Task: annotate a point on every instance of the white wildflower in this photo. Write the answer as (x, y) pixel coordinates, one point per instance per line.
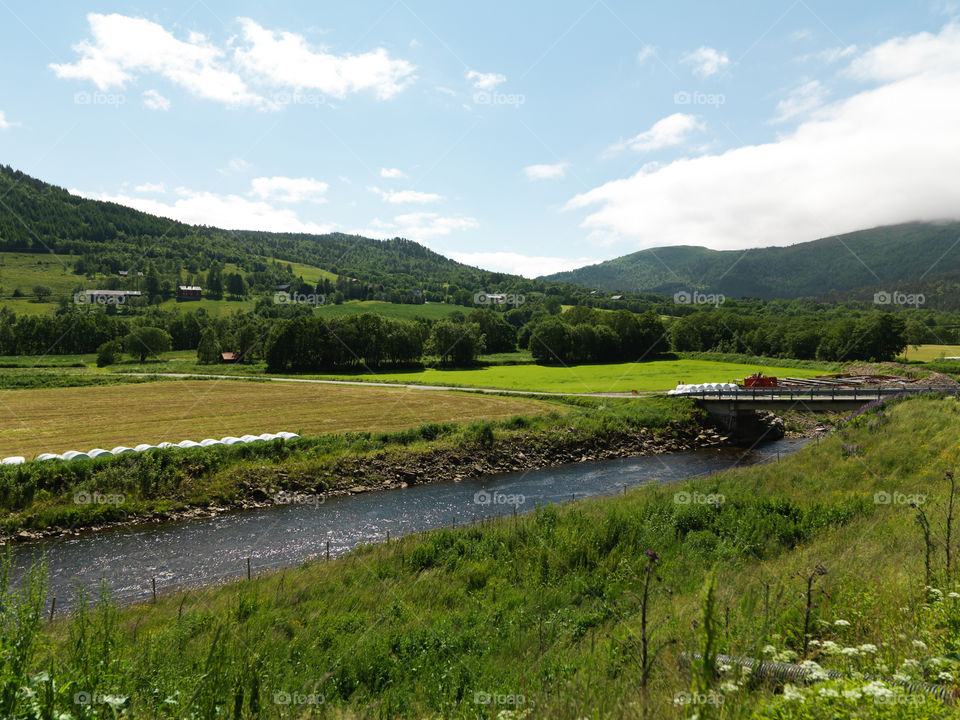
(785, 656)
(901, 678)
(867, 648)
(815, 673)
(953, 595)
(852, 694)
(841, 623)
(791, 692)
(828, 692)
(830, 647)
(877, 690)
(768, 650)
(945, 677)
(911, 664)
(729, 687)
(920, 644)
(814, 643)
(850, 652)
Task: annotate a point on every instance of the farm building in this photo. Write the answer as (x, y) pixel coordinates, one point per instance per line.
(230, 357)
(189, 292)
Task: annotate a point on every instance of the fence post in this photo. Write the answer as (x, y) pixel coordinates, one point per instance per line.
(53, 607)
(328, 549)
(153, 583)
(248, 568)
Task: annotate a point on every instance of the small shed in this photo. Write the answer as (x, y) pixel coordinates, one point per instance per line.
(230, 357)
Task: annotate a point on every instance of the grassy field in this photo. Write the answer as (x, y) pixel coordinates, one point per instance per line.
(615, 377)
(61, 419)
(926, 353)
(545, 615)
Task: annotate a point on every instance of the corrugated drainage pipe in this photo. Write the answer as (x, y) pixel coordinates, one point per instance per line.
(766, 669)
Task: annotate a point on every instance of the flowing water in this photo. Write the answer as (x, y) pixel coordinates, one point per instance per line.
(206, 550)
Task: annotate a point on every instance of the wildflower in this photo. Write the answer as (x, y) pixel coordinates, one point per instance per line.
(841, 623)
(830, 647)
(785, 656)
(850, 652)
(852, 694)
(877, 690)
(910, 664)
(814, 643)
(725, 668)
(953, 595)
(654, 556)
(791, 692)
(768, 650)
(944, 677)
(828, 692)
(934, 594)
(867, 648)
(901, 678)
(815, 673)
(729, 687)
(920, 644)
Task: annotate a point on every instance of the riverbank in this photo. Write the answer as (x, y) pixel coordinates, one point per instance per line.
(546, 614)
(60, 499)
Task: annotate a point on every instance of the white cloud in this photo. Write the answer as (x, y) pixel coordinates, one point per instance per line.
(123, 46)
(546, 172)
(671, 130)
(230, 212)
(236, 165)
(285, 58)
(832, 55)
(392, 173)
(445, 91)
(153, 100)
(397, 197)
(706, 61)
(420, 226)
(801, 101)
(4, 123)
(288, 189)
(884, 155)
(151, 188)
(645, 54)
(485, 81)
(530, 266)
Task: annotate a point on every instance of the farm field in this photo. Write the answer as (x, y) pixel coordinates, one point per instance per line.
(615, 377)
(431, 311)
(57, 420)
(926, 353)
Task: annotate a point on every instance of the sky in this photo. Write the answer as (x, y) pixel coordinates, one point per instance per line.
(522, 137)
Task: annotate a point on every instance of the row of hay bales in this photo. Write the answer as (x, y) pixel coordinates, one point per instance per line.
(704, 387)
(120, 449)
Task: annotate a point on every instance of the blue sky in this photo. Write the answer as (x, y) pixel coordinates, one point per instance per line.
(528, 139)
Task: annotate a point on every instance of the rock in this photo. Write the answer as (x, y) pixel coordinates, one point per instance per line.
(357, 489)
(259, 495)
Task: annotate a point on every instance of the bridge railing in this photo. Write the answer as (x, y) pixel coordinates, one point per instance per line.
(865, 394)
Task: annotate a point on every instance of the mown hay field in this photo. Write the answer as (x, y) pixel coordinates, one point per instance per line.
(60, 419)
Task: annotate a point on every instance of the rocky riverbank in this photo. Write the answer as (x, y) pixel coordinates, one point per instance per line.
(269, 485)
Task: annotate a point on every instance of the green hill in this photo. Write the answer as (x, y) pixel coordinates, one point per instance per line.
(37, 217)
(887, 257)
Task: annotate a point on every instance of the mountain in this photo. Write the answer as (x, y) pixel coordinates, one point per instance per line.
(889, 257)
(38, 217)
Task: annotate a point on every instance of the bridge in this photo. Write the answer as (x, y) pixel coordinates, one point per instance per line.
(735, 410)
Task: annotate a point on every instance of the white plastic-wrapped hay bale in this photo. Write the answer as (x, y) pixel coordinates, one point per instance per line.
(210, 442)
(119, 449)
(267, 437)
(165, 445)
(13, 460)
(47, 456)
(188, 444)
(251, 438)
(287, 435)
(74, 455)
(99, 452)
(230, 440)
(144, 447)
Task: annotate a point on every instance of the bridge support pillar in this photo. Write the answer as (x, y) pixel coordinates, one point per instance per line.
(744, 425)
